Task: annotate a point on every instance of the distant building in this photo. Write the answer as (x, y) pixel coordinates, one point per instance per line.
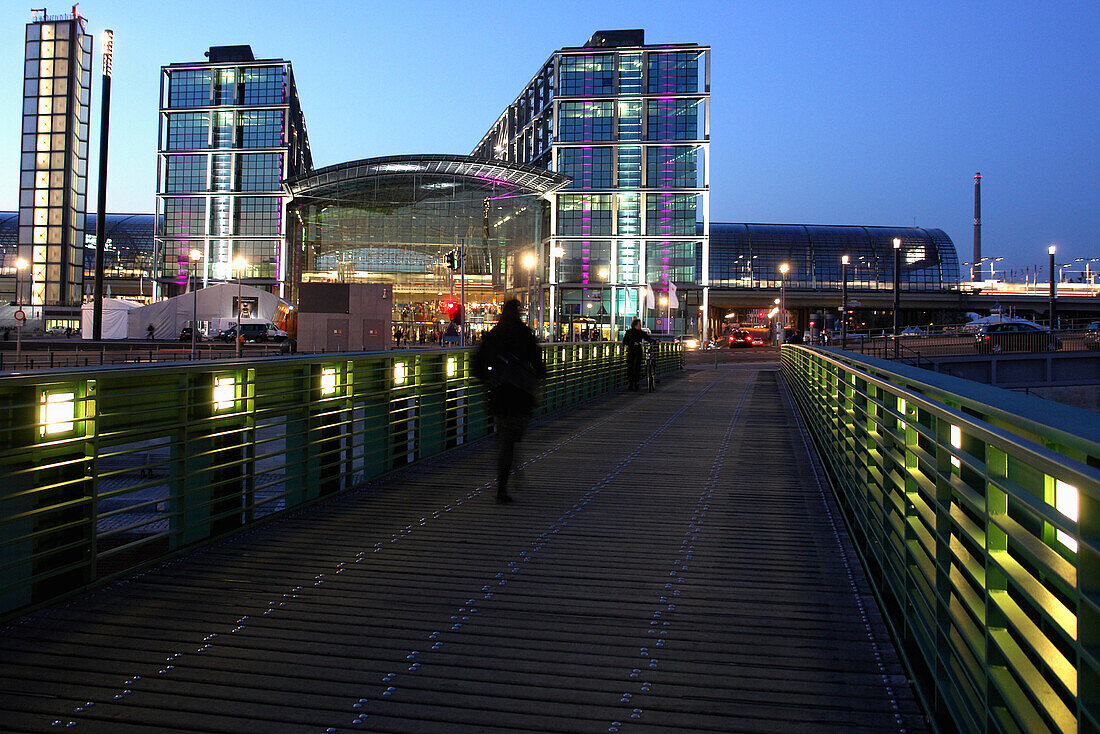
(231, 131)
(628, 122)
(128, 266)
(397, 220)
(53, 167)
(749, 256)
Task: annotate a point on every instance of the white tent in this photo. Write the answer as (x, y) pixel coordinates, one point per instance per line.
(204, 305)
(115, 323)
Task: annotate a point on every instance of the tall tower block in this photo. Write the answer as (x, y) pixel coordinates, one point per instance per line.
(53, 166)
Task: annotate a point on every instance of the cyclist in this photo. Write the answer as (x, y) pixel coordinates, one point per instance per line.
(632, 340)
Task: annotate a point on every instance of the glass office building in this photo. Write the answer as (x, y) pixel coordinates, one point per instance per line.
(231, 131)
(402, 219)
(628, 123)
(749, 256)
(53, 166)
(128, 259)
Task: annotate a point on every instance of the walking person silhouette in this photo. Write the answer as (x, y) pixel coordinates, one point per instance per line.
(509, 362)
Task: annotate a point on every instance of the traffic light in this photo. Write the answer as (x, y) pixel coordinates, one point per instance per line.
(453, 258)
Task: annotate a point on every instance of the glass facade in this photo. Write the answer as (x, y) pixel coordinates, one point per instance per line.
(630, 125)
(394, 220)
(54, 161)
(749, 256)
(129, 250)
(231, 132)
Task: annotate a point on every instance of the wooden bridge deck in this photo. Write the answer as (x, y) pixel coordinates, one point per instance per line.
(671, 563)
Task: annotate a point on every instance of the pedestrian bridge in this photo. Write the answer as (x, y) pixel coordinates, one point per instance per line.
(310, 544)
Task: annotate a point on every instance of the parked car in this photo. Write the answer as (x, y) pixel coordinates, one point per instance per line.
(249, 332)
(185, 334)
(739, 338)
(1092, 335)
(834, 337)
(1014, 337)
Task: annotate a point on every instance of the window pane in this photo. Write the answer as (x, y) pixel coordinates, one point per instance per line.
(673, 73)
(263, 86)
(260, 172)
(258, 215)
(587, 75)
(185, 173)
(670, 214)
(188, 131)
(189, 88)
(673, 119)
(585, 121)
(261, 129)
(671, 166)
(184, 216)
(584, 214)
(590, 168)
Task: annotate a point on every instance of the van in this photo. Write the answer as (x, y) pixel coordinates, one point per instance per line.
(257, 330)
(249, 333)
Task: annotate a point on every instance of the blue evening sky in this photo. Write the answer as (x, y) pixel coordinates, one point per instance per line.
(875, 113)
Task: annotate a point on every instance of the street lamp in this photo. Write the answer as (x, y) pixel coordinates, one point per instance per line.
(529, 261)
(1053, 285)
(991, 260)
(196, 256)
(844, 302)
(897, 290)
(239, 265)
(781, 327)
(1088, 272)
(556, 253)
(603, 274)
(20, 265)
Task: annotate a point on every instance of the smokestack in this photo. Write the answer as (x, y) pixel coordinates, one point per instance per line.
(976, 263)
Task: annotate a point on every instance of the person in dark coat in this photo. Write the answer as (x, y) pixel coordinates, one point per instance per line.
(632, 340)
(509, 361)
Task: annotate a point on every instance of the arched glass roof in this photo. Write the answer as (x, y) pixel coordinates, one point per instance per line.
(492, 172)
(749, 255)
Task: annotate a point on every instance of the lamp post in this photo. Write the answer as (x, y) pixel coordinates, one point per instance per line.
(20, 265)
(991, 261)
(1088, 272)
(781, 326)
(556, 253)
(101, 202)
(239, 265)
(844, 302)
(603, 273)
(774, 314)
(529, 261)
(897, 290)
(196, 256)
(1053, 285)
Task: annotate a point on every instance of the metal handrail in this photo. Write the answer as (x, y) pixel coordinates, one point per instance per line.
(106, 470)
(977, 515)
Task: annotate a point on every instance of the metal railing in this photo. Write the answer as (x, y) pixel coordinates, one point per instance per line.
(106, 470)
(916, 348)
(977, 515)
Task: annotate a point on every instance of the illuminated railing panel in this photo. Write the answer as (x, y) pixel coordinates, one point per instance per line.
(106, 470)
(976, 513)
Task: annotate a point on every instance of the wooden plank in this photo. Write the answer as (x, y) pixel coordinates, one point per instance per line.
(669, 564)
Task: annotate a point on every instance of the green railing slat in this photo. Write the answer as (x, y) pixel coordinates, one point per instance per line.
(994, 608)
(153, 461)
